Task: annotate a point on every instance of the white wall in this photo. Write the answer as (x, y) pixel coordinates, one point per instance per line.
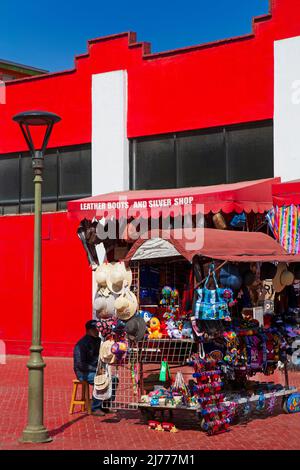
(110, 160)
(287, 109)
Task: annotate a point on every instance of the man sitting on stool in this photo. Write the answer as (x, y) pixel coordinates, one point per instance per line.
(85, 354)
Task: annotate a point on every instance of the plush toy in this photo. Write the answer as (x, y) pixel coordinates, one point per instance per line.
(173, 330)
(163, 329)
(119, 349)
(145, 315)
(154, 329)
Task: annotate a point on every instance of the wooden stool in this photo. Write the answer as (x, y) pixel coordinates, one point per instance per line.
(85, 401)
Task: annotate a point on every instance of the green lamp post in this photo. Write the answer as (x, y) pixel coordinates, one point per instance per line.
(35, 430)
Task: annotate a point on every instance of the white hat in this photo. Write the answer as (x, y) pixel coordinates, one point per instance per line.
(126, 305)
(101, 274)
(104, 306)
(283, 277)
(119, 276)
(106, 355)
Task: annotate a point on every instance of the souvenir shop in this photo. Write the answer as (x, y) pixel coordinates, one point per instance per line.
(196, 319)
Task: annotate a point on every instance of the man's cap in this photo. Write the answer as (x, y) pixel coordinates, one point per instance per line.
(91, 324)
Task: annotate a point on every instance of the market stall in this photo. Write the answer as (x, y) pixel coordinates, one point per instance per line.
(196, 318)
(205, 298)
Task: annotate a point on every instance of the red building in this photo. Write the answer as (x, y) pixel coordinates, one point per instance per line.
(214, 113)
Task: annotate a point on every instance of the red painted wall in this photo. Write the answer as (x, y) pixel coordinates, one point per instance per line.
(67, 294)
(204, 86)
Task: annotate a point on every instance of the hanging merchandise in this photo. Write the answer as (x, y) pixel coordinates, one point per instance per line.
(119, 349)
(212, 304)
(166, 295)
(179, 388)
(238, 220)
(284, 222)
(165, 373)
(216, 416)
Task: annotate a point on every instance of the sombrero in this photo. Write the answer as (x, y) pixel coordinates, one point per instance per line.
(106, 355)
(119, 276)
(101, 274)
(126, 305)
(283, 277)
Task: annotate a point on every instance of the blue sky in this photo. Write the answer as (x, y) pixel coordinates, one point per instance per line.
(48, 34)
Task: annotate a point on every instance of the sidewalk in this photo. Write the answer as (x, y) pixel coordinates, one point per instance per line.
(123, 430)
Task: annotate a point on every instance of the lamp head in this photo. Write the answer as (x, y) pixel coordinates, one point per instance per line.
(36, 118)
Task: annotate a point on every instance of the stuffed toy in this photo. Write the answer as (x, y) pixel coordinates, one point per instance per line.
(173, 330)
(145, 315)
(154, 329)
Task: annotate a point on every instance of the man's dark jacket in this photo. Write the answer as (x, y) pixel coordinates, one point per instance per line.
(85, 354)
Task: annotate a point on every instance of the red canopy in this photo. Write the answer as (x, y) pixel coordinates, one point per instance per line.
(246, 196)
(285, 194)
(218, 244)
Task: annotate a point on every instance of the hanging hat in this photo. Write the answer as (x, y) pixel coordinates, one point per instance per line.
(219, 221)
(267, 271)
(101, 382)
(283, 277)
(104, 306)
(119, 276)
(101, 274)
(230, 277)
(136, 328)
(126, 305)
(106, 354)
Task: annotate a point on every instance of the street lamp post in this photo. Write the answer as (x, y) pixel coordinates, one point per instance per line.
(35, 430)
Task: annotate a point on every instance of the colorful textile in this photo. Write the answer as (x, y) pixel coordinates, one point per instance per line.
(284, 223)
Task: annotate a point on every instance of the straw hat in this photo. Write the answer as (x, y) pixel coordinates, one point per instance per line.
(101, 382)
(126, 305)
(106, 355)
(283, 277)
(101, 274)
(119, 276)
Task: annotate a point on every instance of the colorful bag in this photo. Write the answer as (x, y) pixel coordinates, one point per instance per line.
(212, 304)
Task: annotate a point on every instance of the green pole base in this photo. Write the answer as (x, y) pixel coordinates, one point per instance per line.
(35, 434)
